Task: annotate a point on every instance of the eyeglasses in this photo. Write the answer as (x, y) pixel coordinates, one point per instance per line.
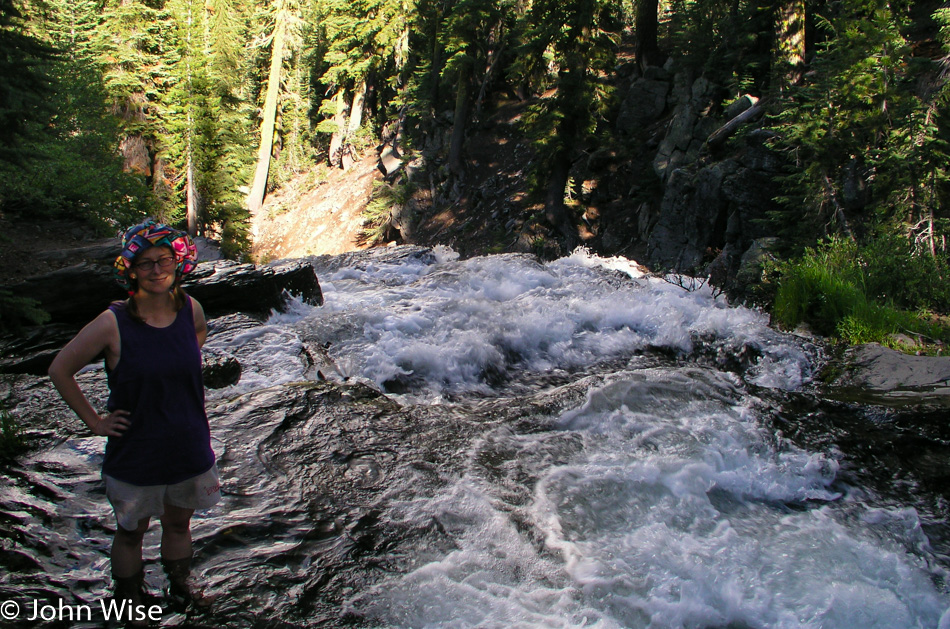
(165, 263)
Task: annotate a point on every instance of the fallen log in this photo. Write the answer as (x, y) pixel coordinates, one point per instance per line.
(723, 133)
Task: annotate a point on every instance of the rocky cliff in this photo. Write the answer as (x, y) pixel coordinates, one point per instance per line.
(684, 187)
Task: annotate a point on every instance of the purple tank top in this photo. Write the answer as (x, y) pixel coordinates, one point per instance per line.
(158, 380)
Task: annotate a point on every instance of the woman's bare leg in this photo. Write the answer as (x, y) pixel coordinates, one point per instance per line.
(176, 532)
(176, 557)
(127, 550)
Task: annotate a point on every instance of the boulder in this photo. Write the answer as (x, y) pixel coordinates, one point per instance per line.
(77, 294)
(877, 368)
(747, 280)
(693, 121)
(644, 104)
(915, 387)
(754, 259)
(103, 252)
(73, 295)
(219, 368)
(692, 220)
(225, 286)
(389, 161)
(749, 194)
(33, 349)
(756, 153)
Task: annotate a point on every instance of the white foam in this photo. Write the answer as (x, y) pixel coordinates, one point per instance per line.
(494, 577)
(680, 510)
(684, 517)
(455, 325)
(444, 253)
(269, 355)
(582, 256)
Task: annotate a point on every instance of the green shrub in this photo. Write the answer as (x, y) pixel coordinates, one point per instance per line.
(862, 294)
(894, 273)
(820, 289)
(12, 440)
(235, 234)
(385, 201)
(17, 311)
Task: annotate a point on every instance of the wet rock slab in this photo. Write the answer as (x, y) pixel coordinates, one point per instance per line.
(224, 286)
(878, 374)
(883, 369)
(307, 469)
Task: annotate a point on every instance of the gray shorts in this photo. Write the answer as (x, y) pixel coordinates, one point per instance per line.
(132, 503)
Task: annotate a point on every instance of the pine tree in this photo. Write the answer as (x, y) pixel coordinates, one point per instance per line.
(839, 130)
(285, 25)
(71, 168)
(25, 80)
(204, 135)
(133, 45)
(790, 44)
(475, 39)
(367, 47)
(647, 32)
(186, 99)
(299, 151)
(579, 40)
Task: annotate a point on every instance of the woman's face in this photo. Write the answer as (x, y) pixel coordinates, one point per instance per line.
(154, 270)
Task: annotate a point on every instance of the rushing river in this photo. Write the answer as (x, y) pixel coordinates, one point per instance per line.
(497, 442)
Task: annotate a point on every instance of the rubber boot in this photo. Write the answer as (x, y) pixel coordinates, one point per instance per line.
(131, 589)
(183, 586)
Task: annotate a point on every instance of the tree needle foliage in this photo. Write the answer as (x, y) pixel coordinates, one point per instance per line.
(12, 440)
(386, 205)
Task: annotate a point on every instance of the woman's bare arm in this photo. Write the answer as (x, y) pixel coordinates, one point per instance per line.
(101, 335)
(201, 326)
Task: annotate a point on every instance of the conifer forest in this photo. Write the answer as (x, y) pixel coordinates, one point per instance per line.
(194, 110)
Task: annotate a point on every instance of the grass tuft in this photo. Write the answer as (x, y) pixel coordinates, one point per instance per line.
(839, 291)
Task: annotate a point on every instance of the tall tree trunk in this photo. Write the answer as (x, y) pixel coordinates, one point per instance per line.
(256, 198)
(356, 109)
(462, 105)
(191, 197)
(555, 211)
(162, 186)
(336, 139)
(570, 103)
(191, 206)
(436, 54)
(789, 64)
(647, 30)
(495, 57)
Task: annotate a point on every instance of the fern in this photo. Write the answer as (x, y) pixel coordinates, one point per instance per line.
(385, 203)
(17, 311)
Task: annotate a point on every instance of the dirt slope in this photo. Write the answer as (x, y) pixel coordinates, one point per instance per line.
(302, 219)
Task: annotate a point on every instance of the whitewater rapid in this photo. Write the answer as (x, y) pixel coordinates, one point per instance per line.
(662, 497)
(436, 325)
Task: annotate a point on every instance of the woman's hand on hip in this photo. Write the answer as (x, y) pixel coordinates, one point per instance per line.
(113, 424)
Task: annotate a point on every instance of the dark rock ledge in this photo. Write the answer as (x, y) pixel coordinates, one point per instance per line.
(75, 295)
(876, 374)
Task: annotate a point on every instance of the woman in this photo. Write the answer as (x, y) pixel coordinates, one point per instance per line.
(158, 458)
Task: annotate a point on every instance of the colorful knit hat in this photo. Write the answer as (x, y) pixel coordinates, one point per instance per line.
(152, 234)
